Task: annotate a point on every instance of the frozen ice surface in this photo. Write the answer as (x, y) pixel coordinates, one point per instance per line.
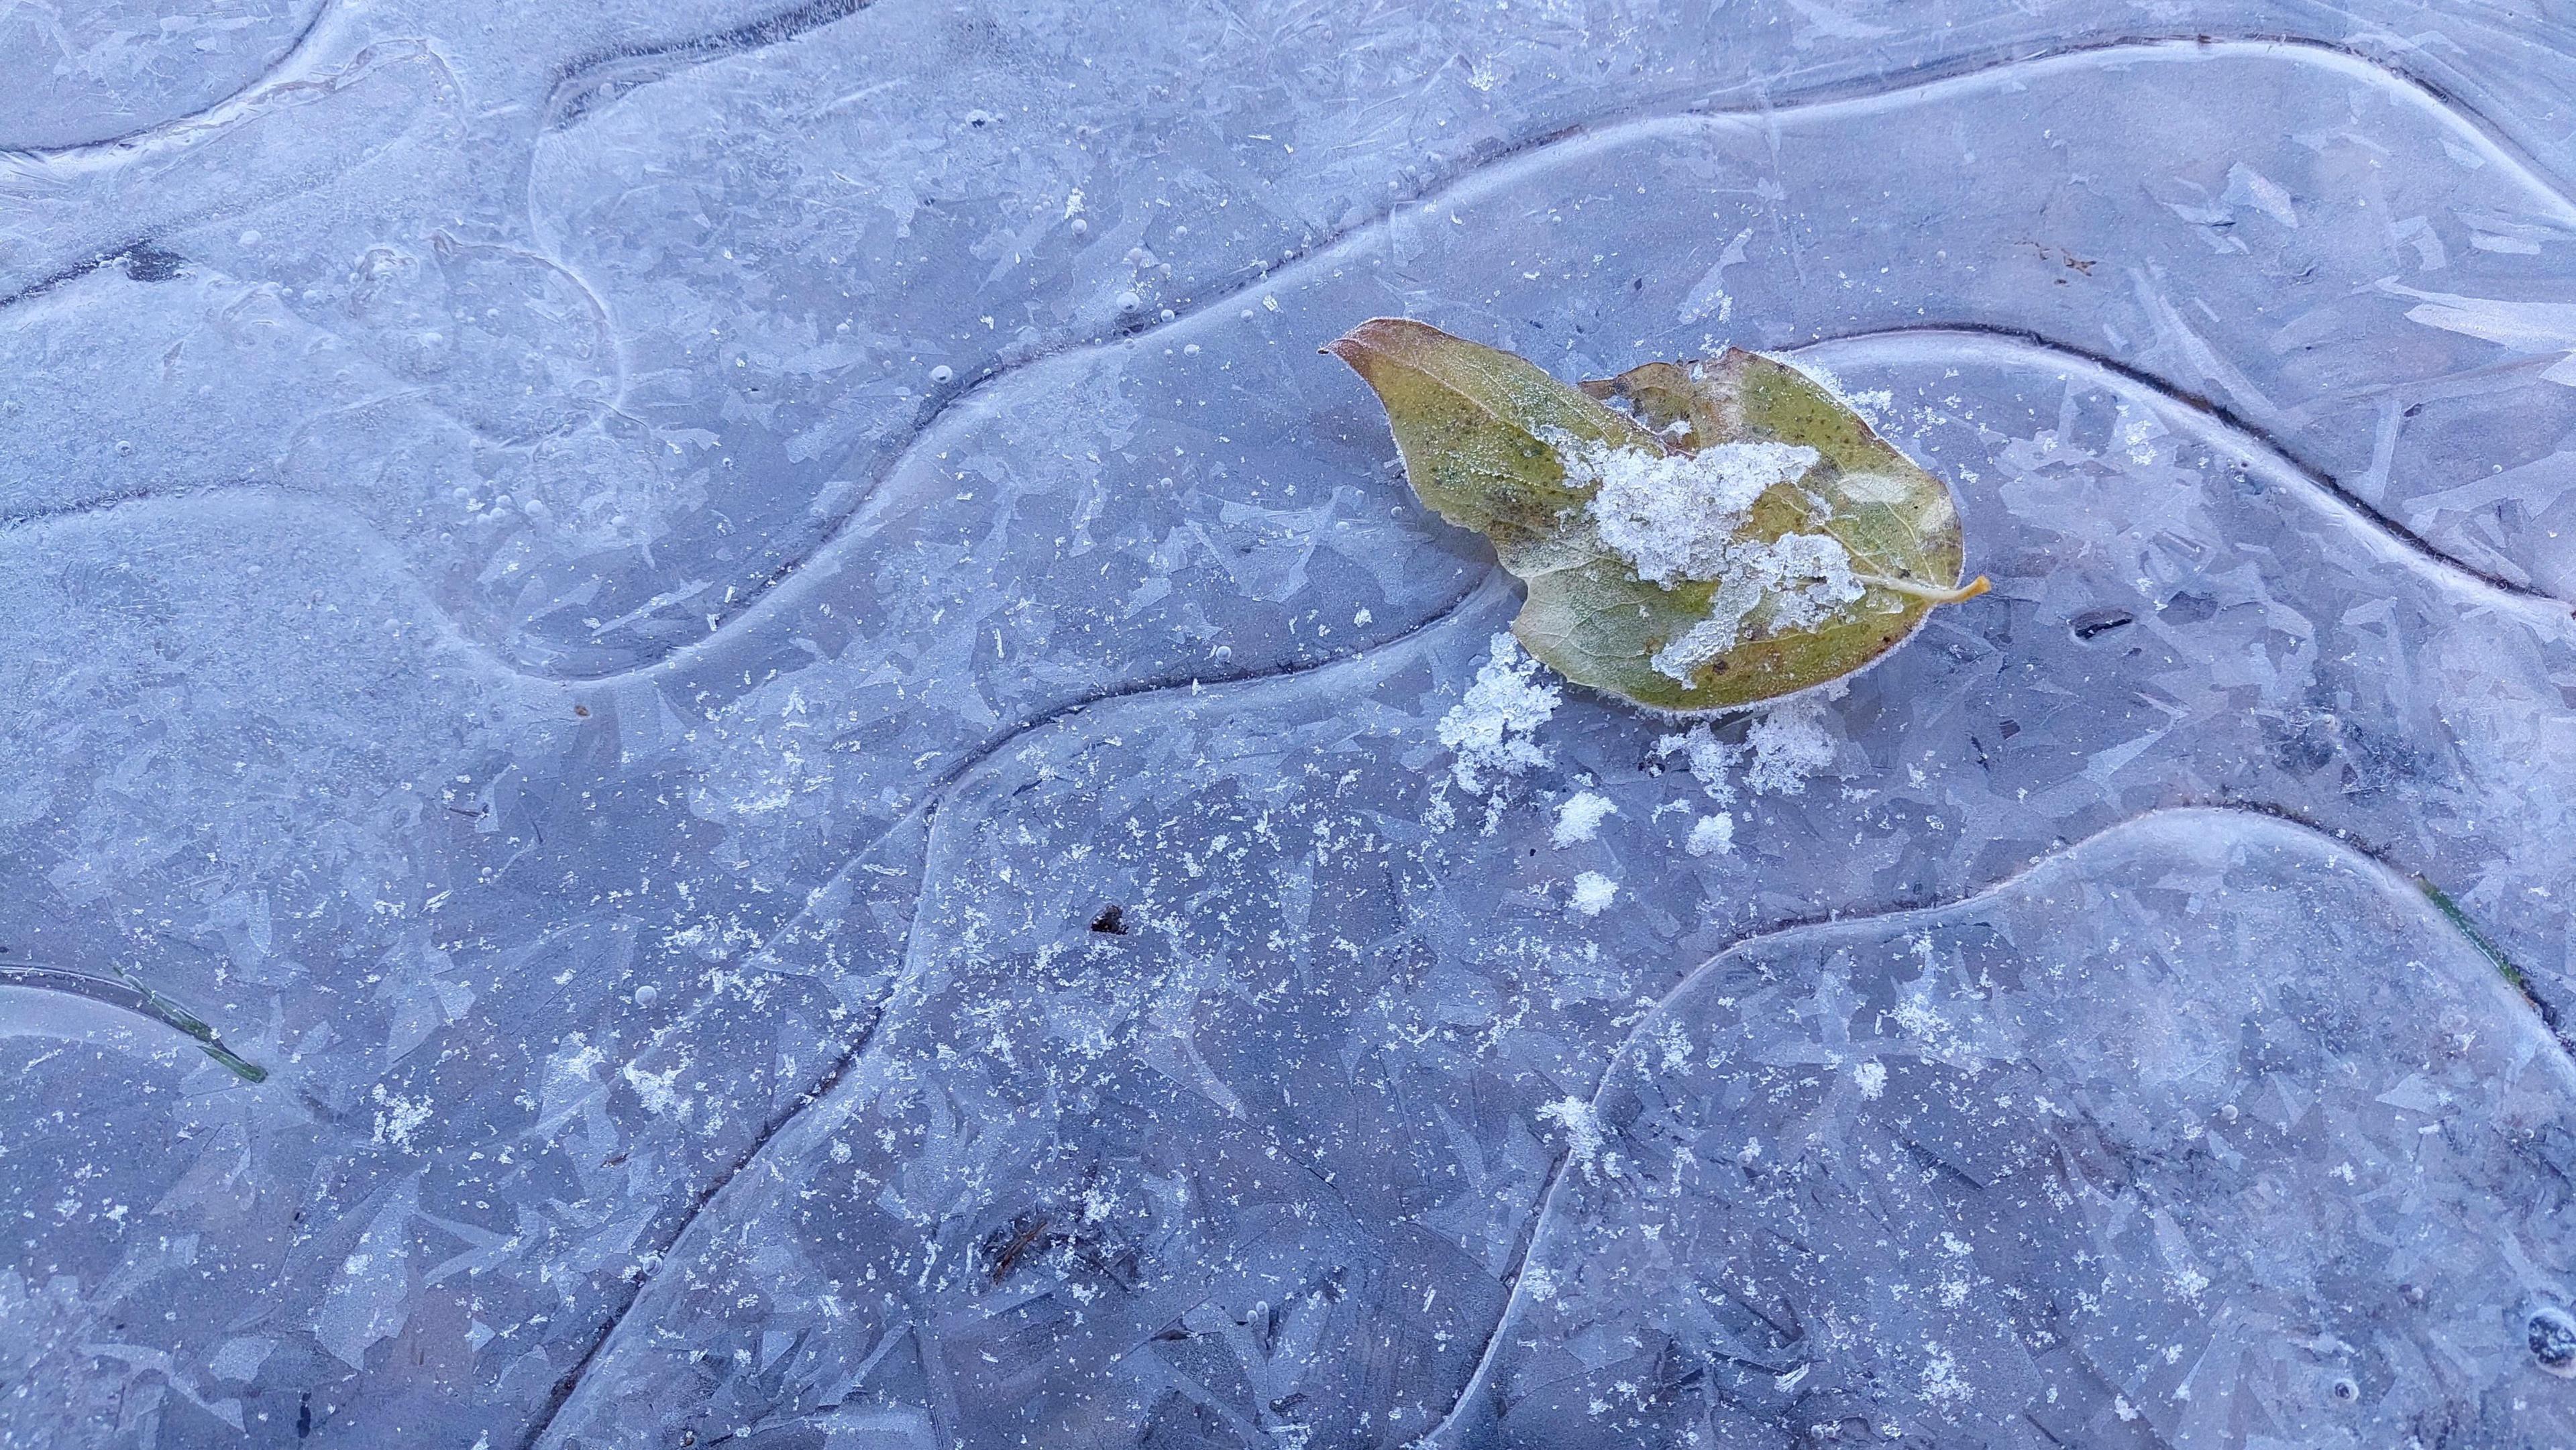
(748, 654)
(86, 72)
(1893, 1174)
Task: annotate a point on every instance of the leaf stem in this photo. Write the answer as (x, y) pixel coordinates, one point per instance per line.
(1969, 590)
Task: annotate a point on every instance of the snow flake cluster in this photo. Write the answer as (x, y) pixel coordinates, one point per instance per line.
(1490, 729)
(1790, 744)
(1676, 516)
(1579, 817)
(1805, 578)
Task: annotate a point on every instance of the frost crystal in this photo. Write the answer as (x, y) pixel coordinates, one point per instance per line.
(1803, 577)
(1676, 516)
(1712, 834)
(1789, 745)
(1579, 818)
(1592, 894)
(1490, 728)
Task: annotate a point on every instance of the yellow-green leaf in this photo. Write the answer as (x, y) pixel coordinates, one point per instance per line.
(1730, 532)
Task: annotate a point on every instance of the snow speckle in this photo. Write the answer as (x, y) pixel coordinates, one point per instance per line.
(1941, 1383)
(1490, 728)
(1709, 759)
(1582, 1126)
(1593, 893)
(1870, 1077)
(398, 1117)
(1789, 744)
(1712, 835)
(657, 1090)
(1579, 818)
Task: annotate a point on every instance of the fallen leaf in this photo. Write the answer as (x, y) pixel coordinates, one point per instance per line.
(1731, 532)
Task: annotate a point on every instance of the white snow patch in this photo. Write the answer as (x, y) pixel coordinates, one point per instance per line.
(1582, 1125)
(1871, 406)
(659, 1092)
(1870, 1078)
(1789, 744)
(1675, 516)
(1579, 818)
(399, 1117)
(1490, 728)
(1709, 759)
(1874, 487)
(1941, 1383)
(1712, 835)
(1805, 578)
(1917, 1017)
(1592, 894)
(1681, 516)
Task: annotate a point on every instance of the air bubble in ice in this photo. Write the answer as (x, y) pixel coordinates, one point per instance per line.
(2552, 1337)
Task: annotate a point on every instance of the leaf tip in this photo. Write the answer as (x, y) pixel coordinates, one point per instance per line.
(1351, 346)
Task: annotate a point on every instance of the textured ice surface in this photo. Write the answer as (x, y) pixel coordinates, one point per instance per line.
(86, 72)
(1894, 1178)
(750, 654)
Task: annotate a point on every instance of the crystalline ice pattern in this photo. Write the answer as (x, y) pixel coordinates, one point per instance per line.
(748, 652)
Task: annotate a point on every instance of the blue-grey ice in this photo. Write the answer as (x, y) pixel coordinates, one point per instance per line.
(819, 788)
